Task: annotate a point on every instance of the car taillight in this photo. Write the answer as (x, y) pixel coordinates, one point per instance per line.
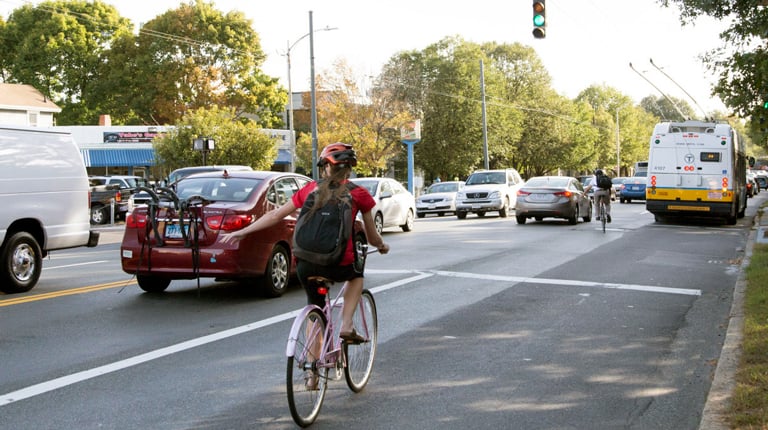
(564, 194)
(227, 222)
(136, 220)
(118, 196)
(523, 193)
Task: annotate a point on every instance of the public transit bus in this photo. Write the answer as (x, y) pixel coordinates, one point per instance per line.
(696, 169)
(641, 168)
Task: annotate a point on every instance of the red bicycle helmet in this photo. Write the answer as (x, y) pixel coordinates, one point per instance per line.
(338, 153)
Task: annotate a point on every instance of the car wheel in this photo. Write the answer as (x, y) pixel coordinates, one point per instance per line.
(378, 221)
(520, 219)
(22, 262)
(408, 226)
(440, 213)
(98, 215)
(573, 219)
(622, 200)
(504, 211)
(421, 215)
(539, 218)
(480, 214)
(461, 215)
(588, 216)
(152, 284)
(275, 280)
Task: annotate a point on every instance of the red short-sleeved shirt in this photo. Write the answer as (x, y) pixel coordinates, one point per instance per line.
(361, 202)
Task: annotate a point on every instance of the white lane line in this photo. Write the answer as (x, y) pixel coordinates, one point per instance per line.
(44, 387)
(634, 287)
(74, 378)
(75, 265)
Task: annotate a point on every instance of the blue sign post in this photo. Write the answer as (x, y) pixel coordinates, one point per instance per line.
(410, 144)
(410, 134)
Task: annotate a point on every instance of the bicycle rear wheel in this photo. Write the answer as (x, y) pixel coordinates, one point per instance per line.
(305, 400)
(360, 356)
(603, 216)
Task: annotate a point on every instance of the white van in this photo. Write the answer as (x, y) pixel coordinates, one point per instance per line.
(43, 202)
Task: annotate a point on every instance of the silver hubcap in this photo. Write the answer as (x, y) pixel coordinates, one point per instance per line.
(23, 264)
(279, 271)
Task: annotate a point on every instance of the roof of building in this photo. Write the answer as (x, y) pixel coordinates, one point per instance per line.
(25, 97)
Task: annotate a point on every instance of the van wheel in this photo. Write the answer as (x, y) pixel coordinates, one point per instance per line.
(275, 280)
(98, 215)
(22, 262)
(152, 284)
(521, 219)
(461, 215)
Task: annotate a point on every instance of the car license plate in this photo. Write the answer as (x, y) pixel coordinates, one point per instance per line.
(635, 188)
(430, 206)
(539, 197)
(172, 231)
(475, 206)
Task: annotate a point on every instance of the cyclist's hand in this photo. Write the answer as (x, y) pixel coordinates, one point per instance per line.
(383, 248)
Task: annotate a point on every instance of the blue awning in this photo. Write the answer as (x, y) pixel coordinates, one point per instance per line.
(284, 157)
(118, 157)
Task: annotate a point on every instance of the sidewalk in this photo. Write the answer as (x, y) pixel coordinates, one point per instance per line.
(724, 382)
(110, 233)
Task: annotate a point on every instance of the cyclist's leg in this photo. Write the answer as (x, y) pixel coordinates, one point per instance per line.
(607, 201)
(351, 299)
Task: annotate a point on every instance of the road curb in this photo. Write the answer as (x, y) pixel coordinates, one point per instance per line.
(714, 415)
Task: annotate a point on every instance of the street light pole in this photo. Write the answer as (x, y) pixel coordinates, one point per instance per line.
(291, 125)
(618, 145)
(313, 108)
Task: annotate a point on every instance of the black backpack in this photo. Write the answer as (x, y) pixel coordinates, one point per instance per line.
(604, 182)
(321, 237)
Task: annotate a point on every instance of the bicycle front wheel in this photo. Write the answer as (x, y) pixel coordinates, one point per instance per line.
(603, 216)
(359, 357)
(306, 383)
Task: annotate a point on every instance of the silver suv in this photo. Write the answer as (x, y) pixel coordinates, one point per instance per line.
(489, 191)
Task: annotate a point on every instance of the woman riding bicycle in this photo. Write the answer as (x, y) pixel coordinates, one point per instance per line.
(600, 193)
(336, 161)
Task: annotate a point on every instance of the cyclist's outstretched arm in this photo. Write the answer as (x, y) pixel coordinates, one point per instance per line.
(374, 238)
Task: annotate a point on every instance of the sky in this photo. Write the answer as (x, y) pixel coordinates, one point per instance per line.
(589, 42)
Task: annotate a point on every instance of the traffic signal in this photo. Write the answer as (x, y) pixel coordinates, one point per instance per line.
(539, 19)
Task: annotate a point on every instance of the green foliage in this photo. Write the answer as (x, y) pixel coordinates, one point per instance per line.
(57, 47)
(236, 141)
(195, 56)
(741, 63)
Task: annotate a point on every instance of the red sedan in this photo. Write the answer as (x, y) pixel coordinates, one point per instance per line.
(176, 235)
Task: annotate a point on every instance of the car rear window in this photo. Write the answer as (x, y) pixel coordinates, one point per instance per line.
(560, 182)
(443, 188)
(217, 189)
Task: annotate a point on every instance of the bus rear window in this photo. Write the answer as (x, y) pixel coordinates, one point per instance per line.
(710, 157)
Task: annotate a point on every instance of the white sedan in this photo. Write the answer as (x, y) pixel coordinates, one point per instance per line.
(395, 206)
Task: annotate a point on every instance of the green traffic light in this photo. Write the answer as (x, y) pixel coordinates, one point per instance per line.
(765, 104)
(538, 21)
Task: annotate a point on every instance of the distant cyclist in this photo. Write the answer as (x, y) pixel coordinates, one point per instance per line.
(600, 193)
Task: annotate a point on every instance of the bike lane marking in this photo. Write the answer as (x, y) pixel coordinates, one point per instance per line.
(44, 387)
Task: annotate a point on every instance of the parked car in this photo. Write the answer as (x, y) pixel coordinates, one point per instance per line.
(752, 187)
(633, 189)
(761, 177)
(489, 191)
(129, 182)
(553, 197)
(183, 242)
(439, 198)
(395, 206)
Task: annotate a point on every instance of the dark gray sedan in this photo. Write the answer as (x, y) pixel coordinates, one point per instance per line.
(553, 197)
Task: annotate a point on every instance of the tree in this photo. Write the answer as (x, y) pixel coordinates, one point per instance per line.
(741, 63)
(237, 141)
(57, 47)
(366, 121)
(195, 56)
(666, 110)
